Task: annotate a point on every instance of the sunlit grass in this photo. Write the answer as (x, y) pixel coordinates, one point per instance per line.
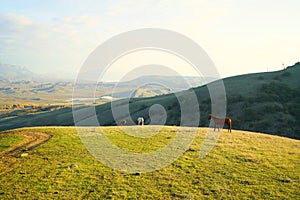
(242, 165)
(7, 141)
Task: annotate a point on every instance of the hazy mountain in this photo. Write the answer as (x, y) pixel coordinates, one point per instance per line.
(175, 82)
(147, 86)
(15, 72)
(20, 85)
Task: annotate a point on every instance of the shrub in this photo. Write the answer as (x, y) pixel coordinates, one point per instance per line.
(260, 78)
(286, 74)
(272, 108)
(276, 91)
(236, 98)
(263, 125)
(277, 78)
(143, 106)
(249, 114)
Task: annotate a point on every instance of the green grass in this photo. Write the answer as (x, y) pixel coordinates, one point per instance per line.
(137, 144)
(242, 165)
(7, 141)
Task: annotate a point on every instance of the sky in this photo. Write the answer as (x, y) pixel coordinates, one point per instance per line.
(56, 37)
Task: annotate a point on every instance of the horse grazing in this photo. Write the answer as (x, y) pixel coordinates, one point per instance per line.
(220, 121)
(140, 121)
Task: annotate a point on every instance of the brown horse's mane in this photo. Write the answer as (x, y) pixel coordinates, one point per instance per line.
(219, 121)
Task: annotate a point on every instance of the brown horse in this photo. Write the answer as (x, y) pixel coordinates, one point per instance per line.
(220, 121)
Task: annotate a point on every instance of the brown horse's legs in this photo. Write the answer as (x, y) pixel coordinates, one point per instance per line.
(229, 126)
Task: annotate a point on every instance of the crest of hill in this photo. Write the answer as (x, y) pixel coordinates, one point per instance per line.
(249, 83)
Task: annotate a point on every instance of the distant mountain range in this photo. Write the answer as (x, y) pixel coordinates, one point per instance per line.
(147, 86)
(15, 72)
(19, 85)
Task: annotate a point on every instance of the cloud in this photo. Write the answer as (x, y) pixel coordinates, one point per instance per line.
(48, 44)
(82, 21)
(117, 10)
(67, 39)
(11, 25)
(25, 28)
(14, 20)
(230, 31)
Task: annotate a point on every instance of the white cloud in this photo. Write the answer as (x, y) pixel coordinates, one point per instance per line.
(82, 21)
(53, 44)
(14, 20)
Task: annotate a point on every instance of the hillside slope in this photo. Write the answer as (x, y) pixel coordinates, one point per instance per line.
(262, 102)
(242, 165)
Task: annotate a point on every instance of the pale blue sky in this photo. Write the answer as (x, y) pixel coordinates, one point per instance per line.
(241, 36)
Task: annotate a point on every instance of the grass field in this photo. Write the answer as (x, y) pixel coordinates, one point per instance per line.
(242, 165)
(7, 141)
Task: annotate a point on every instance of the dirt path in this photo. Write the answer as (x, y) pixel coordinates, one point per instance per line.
(32, 139)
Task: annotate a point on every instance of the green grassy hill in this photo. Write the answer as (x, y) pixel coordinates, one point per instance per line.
(261, 102)
(242, 165)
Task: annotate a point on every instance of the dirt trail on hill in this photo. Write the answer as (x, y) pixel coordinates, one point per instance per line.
(32, 140)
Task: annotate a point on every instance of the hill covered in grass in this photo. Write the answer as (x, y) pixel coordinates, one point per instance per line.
(242, 165)
(262, 102)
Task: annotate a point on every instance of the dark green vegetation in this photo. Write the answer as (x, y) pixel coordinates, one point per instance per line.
(242, 165)
(268, 102)
(262, 102)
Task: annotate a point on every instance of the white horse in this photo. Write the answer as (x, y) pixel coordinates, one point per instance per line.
(140, 121)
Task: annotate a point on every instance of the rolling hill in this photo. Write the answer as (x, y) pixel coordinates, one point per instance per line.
(242, 165)
(262, 102)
